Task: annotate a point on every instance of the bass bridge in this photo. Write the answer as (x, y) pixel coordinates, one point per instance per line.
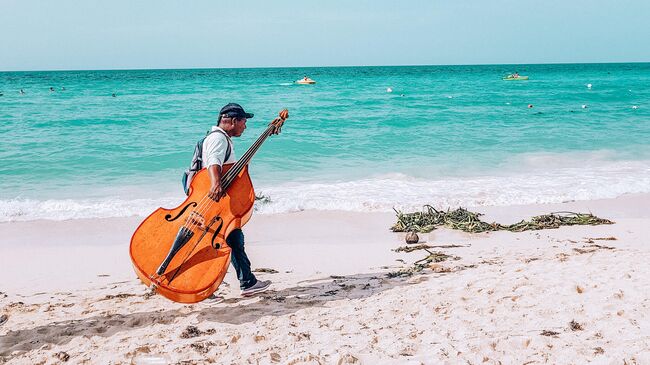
(208, 228)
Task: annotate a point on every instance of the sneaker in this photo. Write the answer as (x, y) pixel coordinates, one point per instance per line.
(259, 287)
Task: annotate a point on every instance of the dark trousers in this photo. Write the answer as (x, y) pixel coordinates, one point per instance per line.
(239, 259)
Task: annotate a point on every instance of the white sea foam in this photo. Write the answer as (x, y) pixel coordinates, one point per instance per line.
(55, 209)
(403, 192)
(382, 193)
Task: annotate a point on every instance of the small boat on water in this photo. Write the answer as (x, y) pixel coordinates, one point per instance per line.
(305, 81)
(514, 78)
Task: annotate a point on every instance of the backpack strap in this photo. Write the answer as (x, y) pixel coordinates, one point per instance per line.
(197, 159)
(228, 151)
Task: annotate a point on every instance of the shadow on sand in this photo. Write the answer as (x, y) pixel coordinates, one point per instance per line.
(307, 294)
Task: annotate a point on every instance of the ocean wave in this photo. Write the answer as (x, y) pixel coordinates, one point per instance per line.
(404, 192)
(64, 209)
(377, 194)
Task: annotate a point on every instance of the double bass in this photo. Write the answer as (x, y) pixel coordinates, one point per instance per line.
(182, 252)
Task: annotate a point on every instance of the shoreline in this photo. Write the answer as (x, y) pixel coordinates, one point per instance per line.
(511, 297)
(107, 239)
(381, 193)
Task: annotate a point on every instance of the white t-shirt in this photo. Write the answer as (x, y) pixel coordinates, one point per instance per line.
(215, 146)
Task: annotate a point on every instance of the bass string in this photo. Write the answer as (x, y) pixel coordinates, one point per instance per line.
(252, 150)
(231, 174)
(187, 256)
(206, 202)
(228, 178)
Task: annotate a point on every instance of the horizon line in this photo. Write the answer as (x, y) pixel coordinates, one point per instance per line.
(331, 66)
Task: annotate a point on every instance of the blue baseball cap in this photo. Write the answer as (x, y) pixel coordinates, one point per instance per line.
(235, 110)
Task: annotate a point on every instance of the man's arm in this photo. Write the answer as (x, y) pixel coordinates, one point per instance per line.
(214, 150)
(216, 191)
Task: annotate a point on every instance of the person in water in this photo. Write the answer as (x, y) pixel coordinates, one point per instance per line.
(51, 89)
(22, 92)
(217, 151)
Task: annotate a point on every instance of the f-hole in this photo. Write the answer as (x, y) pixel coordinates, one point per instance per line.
(169, 218)
(214, 245)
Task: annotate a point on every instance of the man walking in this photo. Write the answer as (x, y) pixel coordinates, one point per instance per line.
(217, 151)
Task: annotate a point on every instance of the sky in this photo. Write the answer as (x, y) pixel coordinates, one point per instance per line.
(145, 34)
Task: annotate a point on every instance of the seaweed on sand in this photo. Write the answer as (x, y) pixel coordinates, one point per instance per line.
(431, 258)
(467, 221)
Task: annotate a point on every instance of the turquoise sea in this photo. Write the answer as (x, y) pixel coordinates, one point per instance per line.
(445, 135)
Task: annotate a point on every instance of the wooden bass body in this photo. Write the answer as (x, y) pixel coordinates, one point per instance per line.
(200, 226)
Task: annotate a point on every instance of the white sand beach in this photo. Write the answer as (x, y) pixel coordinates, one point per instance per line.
(573, 295)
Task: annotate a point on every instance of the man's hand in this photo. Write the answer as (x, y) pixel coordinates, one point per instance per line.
(216, 192)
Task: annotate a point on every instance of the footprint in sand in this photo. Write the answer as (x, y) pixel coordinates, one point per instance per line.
(63, 356)
(114, 322)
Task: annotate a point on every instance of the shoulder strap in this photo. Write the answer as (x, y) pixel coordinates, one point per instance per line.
(229, 149)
